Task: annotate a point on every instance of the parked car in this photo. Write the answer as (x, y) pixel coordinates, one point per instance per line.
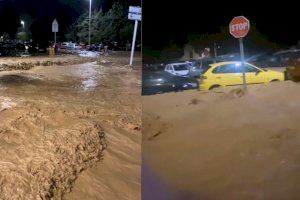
(230, 73)
(7, 49)
(64, 45)
(154, 82)
(96, 47)
(20, 47)
(113, 46)
(72, 46)
(274, 59)
(42, 47)
(37, 47)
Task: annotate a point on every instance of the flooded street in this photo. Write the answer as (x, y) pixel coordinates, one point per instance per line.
(70, 132)
(223, 145)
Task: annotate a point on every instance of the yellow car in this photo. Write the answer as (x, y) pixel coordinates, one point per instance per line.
(230, 73)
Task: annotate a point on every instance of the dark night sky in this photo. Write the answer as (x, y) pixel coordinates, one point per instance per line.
(43, 12)
(165, 20)
(43, 8)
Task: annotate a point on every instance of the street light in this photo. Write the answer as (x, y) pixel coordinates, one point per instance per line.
(23, 24)
(90, 16)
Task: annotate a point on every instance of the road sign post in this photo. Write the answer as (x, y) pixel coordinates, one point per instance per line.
(243, 66)
(135, 13)
(54, 29)
(239, 28)
(133, 41)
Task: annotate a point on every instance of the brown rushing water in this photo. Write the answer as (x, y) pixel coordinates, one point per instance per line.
(59, 124)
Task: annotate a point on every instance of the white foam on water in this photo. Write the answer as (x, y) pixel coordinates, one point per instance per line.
(89, 84)
(89, 54)
(7, 103)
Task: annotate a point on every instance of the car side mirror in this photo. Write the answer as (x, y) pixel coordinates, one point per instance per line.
(256, 73)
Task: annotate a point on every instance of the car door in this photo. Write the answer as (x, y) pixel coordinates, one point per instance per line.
(167, 68)
(254, 75)
(172, 70)
(227, 74)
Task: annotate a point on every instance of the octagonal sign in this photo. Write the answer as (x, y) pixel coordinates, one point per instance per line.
(239, 27)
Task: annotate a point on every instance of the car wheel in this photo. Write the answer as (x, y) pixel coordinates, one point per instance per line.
(275, 80)
(214, 87)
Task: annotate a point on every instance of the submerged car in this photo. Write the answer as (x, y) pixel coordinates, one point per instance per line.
(230, 73)
(154, 82)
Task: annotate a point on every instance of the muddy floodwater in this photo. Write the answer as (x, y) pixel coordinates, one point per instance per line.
(223, 145)
(71, 132)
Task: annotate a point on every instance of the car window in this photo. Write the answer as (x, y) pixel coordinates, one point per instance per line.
(249, 69)
(205, 65)
(180, 67)
(228, 68)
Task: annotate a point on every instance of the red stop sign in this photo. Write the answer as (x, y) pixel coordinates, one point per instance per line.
(239, 26)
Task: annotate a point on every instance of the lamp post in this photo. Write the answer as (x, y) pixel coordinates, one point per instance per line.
(90, 16)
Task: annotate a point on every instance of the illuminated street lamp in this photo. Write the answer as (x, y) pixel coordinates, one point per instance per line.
(23, 24)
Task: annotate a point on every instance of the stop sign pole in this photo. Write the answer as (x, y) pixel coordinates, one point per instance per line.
(243, 66)
(239, 28)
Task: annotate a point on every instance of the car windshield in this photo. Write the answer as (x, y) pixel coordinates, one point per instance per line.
(181, 67)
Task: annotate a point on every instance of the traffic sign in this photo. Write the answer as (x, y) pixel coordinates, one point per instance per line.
(135, 9)
(135, 13)
(54, 29)
(239, 27)
(55, 26)
(133, 16)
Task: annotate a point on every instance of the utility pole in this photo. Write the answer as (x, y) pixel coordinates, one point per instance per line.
(90, 17)
(215, 51)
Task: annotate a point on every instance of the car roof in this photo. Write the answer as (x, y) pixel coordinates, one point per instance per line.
(178, 63)
(225, 63)
(287, 51)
